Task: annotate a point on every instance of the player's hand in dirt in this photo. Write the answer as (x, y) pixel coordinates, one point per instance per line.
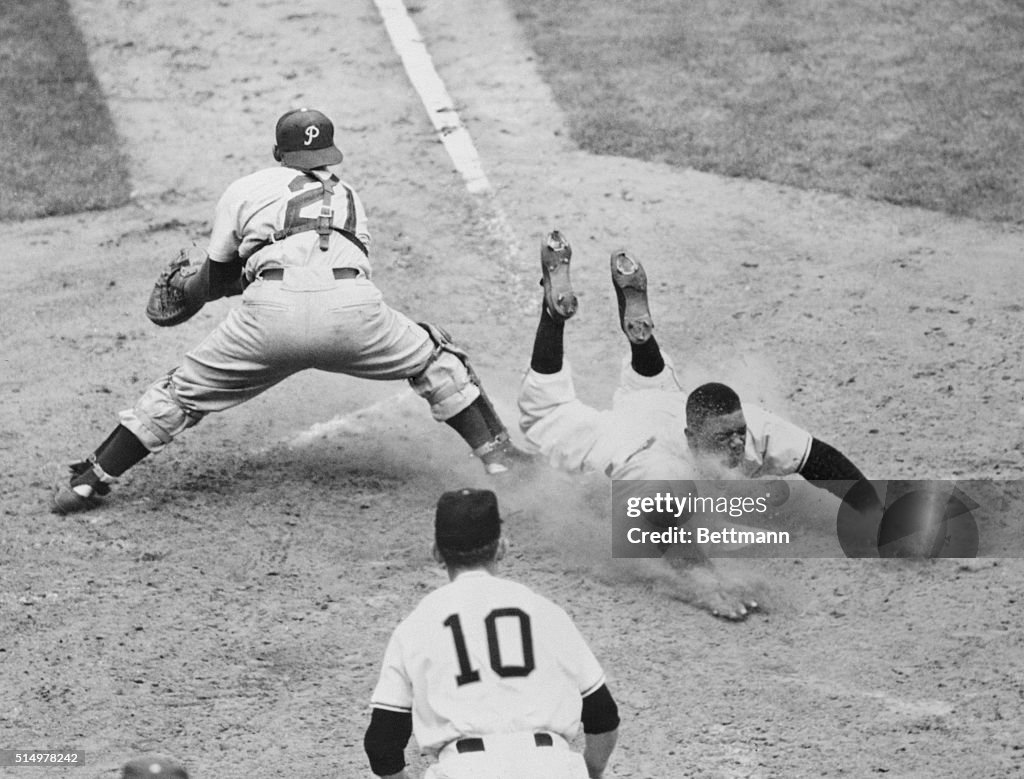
(699, 583)
(701, 586)
(735, 611)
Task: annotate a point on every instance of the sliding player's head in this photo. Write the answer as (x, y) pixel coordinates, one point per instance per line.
(715, 425)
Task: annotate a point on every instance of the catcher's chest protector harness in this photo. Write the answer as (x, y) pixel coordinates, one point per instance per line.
(324, 223)
(278, 217)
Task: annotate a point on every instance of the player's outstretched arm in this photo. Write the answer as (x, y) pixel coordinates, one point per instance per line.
(831, 470)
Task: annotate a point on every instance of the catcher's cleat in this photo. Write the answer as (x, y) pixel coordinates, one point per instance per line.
(68, 501)
(83, 491)
(501, 456)
(630, 282)
(555, 253)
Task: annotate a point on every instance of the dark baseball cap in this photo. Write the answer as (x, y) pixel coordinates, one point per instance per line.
(467, 519)
(153, 767)
(305, 140)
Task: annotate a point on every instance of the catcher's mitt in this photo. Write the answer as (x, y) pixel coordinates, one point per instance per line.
(176, 296)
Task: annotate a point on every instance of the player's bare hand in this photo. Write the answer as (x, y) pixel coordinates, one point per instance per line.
(736, 612)
(730, 608)
(700, 584)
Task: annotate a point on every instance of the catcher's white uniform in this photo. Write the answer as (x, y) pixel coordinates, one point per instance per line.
(307, 317)
(642, 435)
(487, 659)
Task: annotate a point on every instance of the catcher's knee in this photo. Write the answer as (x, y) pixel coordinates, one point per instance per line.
(446, 382)
(158, 416)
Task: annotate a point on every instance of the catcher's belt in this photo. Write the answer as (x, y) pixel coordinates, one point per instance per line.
(277, 274)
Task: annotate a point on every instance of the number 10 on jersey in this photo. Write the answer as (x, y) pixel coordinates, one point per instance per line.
(467, 674)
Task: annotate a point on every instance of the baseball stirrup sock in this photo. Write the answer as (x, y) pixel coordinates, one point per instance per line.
(646, 358)
(471, 424)
(548, 348)
(120, 451)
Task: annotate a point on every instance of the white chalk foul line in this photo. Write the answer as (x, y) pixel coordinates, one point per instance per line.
(412, 50)
(408, 42)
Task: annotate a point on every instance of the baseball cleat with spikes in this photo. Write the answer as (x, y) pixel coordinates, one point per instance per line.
(555, 254)
(630, 282)
(68, 501)
(83, 490)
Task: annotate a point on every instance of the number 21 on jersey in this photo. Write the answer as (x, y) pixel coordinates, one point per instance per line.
(467, 674)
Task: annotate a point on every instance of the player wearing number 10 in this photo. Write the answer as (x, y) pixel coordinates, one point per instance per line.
(492, 678)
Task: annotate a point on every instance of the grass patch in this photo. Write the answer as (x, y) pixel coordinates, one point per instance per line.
(61, 151)
(913, 102)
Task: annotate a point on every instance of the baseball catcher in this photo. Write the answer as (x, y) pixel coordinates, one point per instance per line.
(293, 241)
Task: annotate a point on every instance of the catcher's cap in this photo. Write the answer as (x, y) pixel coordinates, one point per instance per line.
(153, 767)
(467, 519)
(305, 140)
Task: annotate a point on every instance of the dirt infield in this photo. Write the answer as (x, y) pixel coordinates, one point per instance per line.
(231, 602)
